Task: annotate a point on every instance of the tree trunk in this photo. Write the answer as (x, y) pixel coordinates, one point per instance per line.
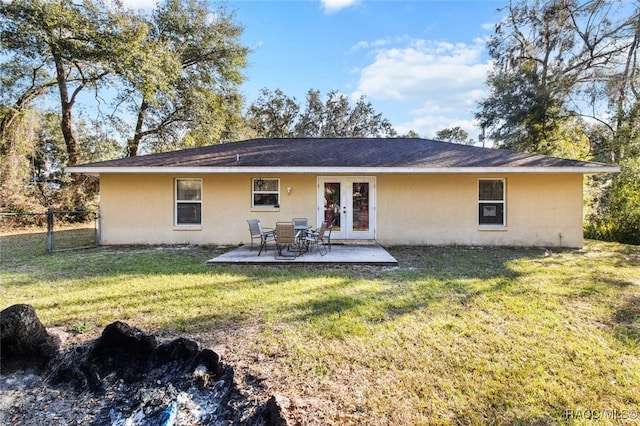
(66, 124)
(618, 151)
(66, 121)
(134, 143)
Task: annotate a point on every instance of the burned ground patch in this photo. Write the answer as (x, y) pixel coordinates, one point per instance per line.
(123, 377)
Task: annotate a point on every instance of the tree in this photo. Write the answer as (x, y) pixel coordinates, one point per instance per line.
(20, 85)
(336, 118)
(71, 45)
(178, 71)
(183, 77)
(616, 214)
(311, 121)
(553, 59)
(566, 83)
(411, 134)
(17, 144)
(274, 114)
(454, 134)
(32, 172)
(364, 122)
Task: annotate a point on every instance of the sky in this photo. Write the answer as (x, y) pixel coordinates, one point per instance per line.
(422, 64)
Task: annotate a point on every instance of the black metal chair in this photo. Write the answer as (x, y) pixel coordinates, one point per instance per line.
(264, 234)
(327, 235)
(318, 239)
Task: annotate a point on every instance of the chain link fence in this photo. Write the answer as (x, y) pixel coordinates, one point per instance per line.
(64, 229)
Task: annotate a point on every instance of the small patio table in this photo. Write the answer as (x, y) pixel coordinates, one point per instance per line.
(301, 234)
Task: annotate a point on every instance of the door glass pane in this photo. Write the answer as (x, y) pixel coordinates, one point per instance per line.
(332, 204)
(360, 206)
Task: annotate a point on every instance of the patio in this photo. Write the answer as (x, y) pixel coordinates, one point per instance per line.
(355, 254)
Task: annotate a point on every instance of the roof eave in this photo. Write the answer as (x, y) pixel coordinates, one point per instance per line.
(341, 170)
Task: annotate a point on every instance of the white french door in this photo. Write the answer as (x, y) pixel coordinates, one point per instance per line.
(349, 203)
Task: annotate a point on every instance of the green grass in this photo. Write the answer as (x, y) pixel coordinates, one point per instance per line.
(454, 335)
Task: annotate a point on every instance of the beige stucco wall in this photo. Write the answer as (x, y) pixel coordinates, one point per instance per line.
(542, 209)
(139, 209)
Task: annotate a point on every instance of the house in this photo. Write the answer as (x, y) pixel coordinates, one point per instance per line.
(397, 191)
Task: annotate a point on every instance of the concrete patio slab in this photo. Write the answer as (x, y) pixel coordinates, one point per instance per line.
(358, 254)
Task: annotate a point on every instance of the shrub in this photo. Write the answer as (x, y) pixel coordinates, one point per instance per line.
(617, 217)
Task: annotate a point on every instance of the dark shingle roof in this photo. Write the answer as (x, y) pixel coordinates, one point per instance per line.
(339, 153)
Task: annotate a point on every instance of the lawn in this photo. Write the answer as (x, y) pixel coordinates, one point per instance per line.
(453, 335)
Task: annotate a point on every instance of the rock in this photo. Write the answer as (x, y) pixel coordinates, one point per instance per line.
(71, 368)
(209, 359)
(180, 349)
(122, 344)
(80, 377)
(201, 376)
(59, 333)
(123, 350)
(24, 341)
(274, 410)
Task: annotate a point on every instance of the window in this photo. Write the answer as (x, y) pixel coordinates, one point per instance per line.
(265, 193)
(491, 201)
(188, 202)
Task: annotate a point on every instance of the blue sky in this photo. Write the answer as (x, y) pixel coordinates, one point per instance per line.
(421, 63)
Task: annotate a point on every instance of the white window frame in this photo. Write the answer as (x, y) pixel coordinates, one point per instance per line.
(254, 192)
(502, 225)
(177, 202)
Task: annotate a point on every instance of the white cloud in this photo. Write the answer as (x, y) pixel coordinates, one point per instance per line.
(331, 6)
(444, 81)
(361, 45)
(439, 72)
(379, 43)
(489, 26)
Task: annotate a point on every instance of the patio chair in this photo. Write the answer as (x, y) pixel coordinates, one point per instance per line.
(328, 234)
(264, 234)
(318, 239)
(286, 240)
